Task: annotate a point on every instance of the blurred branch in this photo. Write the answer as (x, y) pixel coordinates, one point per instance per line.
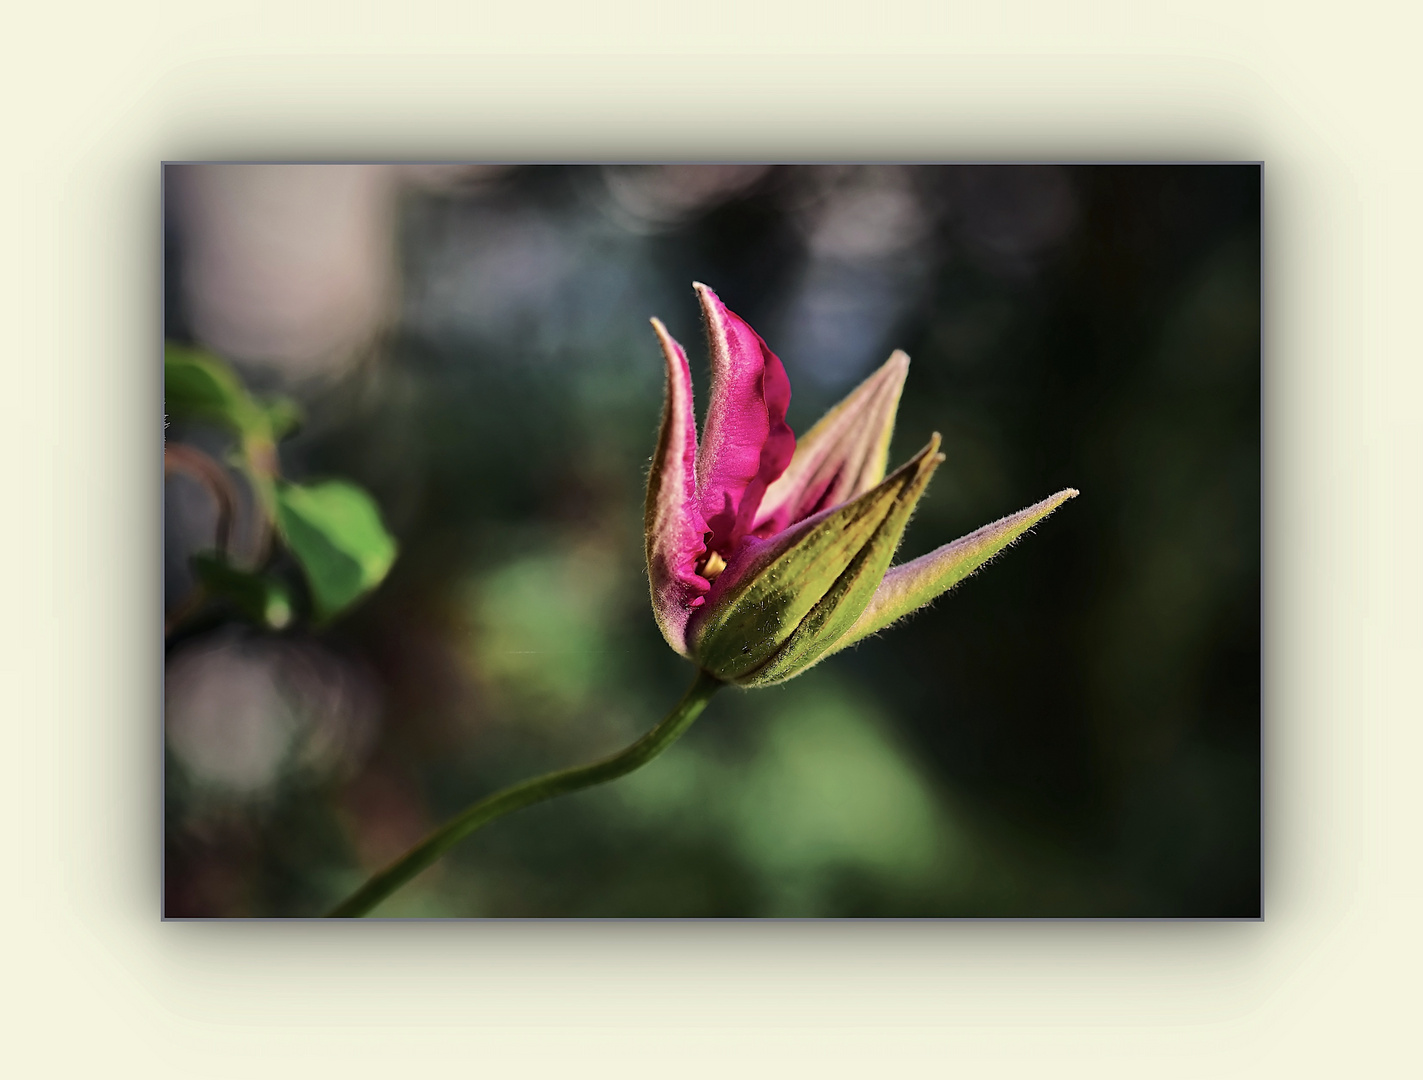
(191, 462)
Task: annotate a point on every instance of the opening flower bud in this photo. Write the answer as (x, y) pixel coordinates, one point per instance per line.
(766, 553)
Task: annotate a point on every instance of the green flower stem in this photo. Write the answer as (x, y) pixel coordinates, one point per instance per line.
(529, 792)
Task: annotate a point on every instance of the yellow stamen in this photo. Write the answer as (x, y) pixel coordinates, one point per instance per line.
(714, 565)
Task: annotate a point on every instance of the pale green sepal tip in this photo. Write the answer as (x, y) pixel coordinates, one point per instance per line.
(909, 587)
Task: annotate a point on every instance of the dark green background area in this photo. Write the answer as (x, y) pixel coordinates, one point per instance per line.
(1075, 731)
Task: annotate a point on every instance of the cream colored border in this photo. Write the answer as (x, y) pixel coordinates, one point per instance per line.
(96, 95)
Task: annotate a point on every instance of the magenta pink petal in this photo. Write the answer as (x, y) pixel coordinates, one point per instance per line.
(746, 443)
(673, 521)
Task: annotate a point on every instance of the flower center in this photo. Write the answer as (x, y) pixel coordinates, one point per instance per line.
(713, 565)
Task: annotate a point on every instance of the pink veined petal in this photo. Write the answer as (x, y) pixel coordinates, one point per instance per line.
(842, 456)
(672, 521)
(746, 443)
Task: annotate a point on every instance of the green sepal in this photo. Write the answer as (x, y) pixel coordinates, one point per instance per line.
(262, 599)
(910, 586)
(818, 577)
(335, 531)
(284, 416)
(840, 607)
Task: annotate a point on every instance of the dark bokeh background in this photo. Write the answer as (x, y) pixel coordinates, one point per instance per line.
(1074, 731)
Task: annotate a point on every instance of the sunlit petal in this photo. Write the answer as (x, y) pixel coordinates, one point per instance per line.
(746, 443)
(672, 520)
(842, 456)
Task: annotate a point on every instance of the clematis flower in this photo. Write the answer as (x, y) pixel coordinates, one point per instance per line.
(765, 554)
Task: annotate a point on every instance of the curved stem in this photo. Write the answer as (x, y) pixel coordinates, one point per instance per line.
(190, 461)
(526, 794)
(193, 462)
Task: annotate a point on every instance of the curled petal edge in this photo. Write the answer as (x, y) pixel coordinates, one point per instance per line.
(843, 456)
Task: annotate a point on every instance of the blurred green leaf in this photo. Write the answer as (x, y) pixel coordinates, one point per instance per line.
(334, 530)
(198, 385)
(261, 598)
(541, 625)
(283, 416)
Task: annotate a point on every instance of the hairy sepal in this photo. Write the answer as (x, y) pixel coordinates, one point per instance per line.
(909, 587)
(827, 622)
(828, 566)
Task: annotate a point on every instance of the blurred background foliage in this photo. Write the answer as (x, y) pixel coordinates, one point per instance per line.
(1073, 732)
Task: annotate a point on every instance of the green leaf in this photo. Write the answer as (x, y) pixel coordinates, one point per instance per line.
(335, 532)
(283, 417)
(199, 386)
(262, 599)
